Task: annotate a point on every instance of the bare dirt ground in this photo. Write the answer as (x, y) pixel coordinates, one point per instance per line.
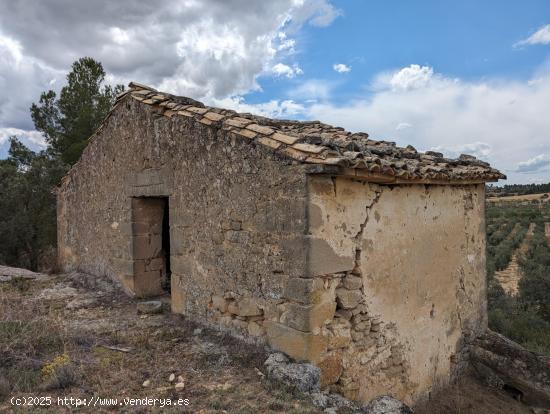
(68, 336)
(509, 278)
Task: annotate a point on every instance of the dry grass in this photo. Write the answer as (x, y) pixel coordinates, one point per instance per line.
(48, 350)
(218, 370)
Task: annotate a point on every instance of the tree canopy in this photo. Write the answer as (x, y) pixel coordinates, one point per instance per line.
(28, 179)
(68, 121)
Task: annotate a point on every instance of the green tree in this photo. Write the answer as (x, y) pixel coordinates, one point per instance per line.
(28, 179)
(68, 121)
(27, 205)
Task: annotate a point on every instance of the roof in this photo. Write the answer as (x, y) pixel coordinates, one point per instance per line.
(313, 142)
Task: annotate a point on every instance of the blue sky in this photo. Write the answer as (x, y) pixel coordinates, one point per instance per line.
(468, 76)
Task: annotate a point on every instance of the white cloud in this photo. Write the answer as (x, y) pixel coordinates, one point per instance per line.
(312, 90)
(34, 137)
(285, 43)
(206, 49)
(319, 13)
(540, 37)
(504, 122)
(341, 68)
(271, 109)
(538, 163)
(201, 49)
(21, 80)
(402, 125)
(280, 69)
(411, 77)
(480, 150)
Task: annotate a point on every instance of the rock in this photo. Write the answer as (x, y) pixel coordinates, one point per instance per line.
(180, 386)
(260, 373)
(352, 282)
(255, 330)
(79, 303)
(331, 369)
(180, 379)
(339, 339)
(219, 303)
(499, 360)
(319, 399)
(344, 314)
(197, 331)
(348, 299)
(58, 292)
(304, 377)
(233, 308)
(149, 307)
(386, 405)
(172, 377)
(9, 273)
(248, 307)
(146, 383)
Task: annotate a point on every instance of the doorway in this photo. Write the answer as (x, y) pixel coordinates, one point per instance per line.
(151, 245)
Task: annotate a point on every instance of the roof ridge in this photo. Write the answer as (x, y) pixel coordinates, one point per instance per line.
(314, 142)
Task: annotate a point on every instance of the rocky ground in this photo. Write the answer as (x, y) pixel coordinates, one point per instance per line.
(74, 336)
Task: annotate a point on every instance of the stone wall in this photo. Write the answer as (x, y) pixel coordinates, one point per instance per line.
(237, 213)
(394, 289)
(380, 286)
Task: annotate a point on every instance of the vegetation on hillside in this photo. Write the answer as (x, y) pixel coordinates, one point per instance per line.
(520, 189)
(28, 179)
(524, 318)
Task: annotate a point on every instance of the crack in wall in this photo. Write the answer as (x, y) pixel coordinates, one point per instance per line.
(359, 235)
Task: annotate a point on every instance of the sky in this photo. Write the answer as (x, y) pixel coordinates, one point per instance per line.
(458, 77)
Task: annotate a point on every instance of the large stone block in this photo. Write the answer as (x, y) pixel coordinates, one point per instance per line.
(146, 227)
(306, 291)
(181, 265)
(322, 259)
(177, 240)
(331, 369)
(147, 284)
(299, 345)
(178, 294)
(147, 246)
(245, 307)
(308, 318)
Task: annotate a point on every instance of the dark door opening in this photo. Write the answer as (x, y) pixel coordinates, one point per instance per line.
(151, 245)
(167, 273)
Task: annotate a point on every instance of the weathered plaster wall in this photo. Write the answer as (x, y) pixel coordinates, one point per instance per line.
(409, 262)
(237, 214)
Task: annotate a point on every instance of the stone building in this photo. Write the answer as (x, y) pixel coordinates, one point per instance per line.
(362, 257)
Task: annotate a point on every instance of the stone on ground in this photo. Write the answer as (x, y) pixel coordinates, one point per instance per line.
(150, 307)
(386, 405)
(304, 377)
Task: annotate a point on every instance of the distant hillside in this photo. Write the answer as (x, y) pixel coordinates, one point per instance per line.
(517, 189)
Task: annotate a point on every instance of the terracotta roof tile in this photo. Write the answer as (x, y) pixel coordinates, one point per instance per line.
(313, 142)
